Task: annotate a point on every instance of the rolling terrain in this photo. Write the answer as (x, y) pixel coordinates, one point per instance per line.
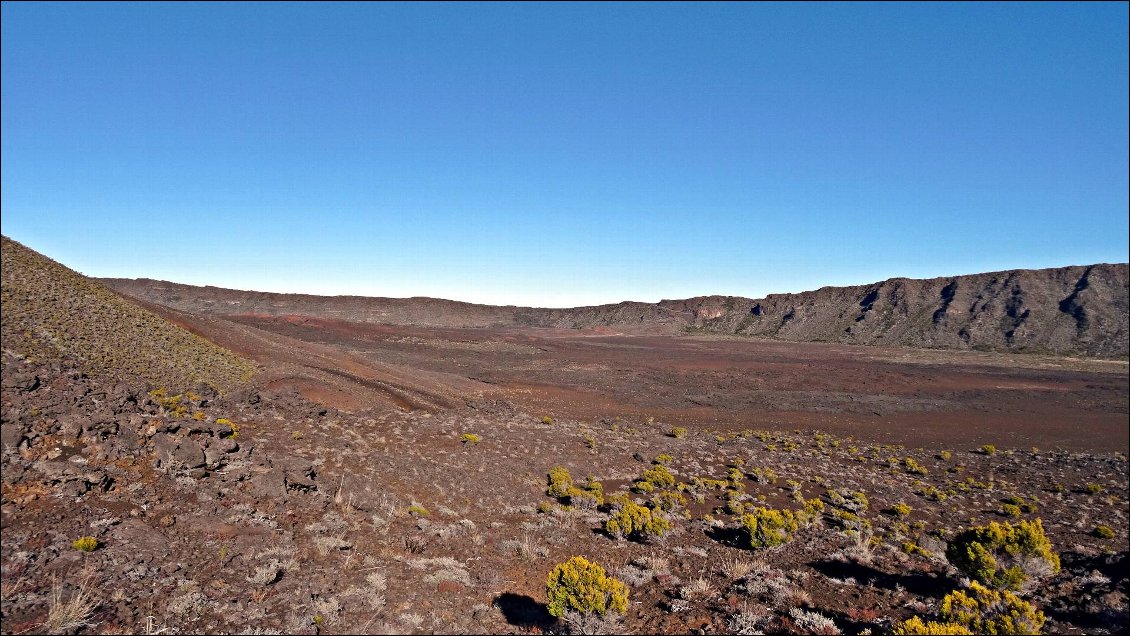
(421, 466)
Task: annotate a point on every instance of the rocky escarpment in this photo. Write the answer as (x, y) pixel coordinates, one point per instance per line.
(1069, 311)
(1078, 311)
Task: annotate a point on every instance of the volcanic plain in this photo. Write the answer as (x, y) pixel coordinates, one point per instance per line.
(347, 475)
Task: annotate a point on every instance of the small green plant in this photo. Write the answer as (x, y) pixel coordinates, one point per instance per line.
(1003, 555)
(581, 586)
(545, 507)
(662, 459)
(417, 510)
(546, 420)
(679, 432)
(1092, 489)
(469, 438)
(945, 455)
(85, 544)
(987, 449)
(590, 442)
(1103, 532)
(768, 527)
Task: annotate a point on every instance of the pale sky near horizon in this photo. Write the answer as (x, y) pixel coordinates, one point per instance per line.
(564, 154)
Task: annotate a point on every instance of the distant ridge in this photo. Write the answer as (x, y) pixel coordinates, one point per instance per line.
(52, 312)
(1071, 311)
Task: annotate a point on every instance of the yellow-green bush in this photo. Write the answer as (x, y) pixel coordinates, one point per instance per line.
(913, 467)
(663, 459)
(659, 477)
(560, 482)
(1003, 555)
(678, 432)
(900, 509)
(85, 544)
(1103, 532)
(768, 527)
(811, 511)
(669, 501)
(470, 438)
(985, 611)
(634, 521)
(915, 626)
(581, 586)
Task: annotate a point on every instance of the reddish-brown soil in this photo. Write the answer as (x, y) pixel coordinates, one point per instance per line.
(927, 398)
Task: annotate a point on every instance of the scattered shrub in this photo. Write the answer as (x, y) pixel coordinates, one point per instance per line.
(987, 449)
(85, 544)
(581, 586)
(1092, 489)
(768, 528)
(469, 438)
(1002, 555)
(678, 432)
(945, 456)
(1103, 532)
(417, 510)
(546, 420)
(662, 459)
(1010, 510)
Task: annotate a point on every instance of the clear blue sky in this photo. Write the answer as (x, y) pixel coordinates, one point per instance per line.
(564, 154)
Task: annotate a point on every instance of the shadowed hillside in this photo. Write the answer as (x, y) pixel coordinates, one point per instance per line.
(51, 312)
(1078, 311)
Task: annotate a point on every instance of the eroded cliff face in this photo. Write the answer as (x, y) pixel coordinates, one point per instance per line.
(1069, 311)
(1076, 311)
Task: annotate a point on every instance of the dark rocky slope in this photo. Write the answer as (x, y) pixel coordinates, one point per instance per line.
(1078, 311)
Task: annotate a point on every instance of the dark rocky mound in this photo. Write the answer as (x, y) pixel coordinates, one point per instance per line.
(1076, 311)
(51, 312)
